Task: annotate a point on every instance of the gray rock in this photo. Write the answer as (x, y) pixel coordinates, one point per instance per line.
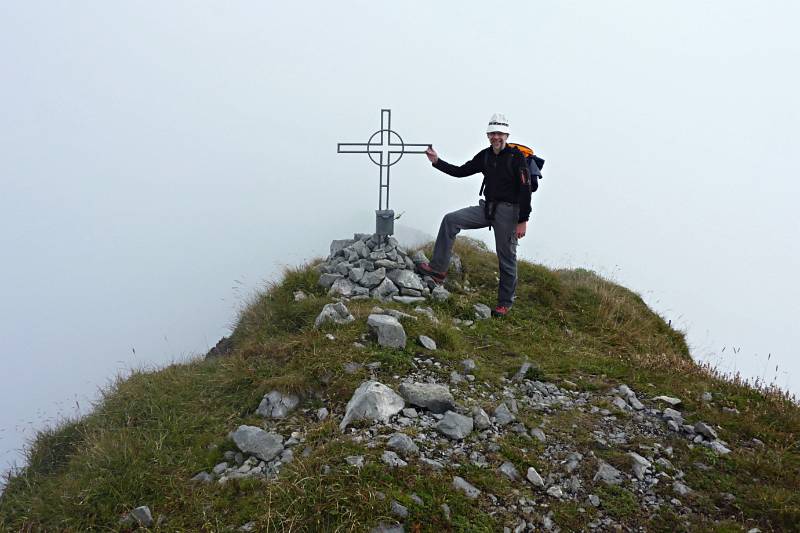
(427, 342)
(352, 367)
(399, 510)
(608, 475)
(673, 402)
(454, 425)
(342, 287)
(360, 248)
(142, 516)
(434, 397)
(718, 447)
(246, 528)
(619, 403)
(220, 468)
(256, 441)
(417, 500)
(392, 459)
(287, 456)
(299, 296)
(405, 279)
(372, 401)
(594, 500)
(509, 470)
(680, 489)
(523, 371)
(556, 491)
(640, 465)
(203, 477)
(388, 528)
(336, 313)
(374, 278)
(456, 378)
(408, 300)
(327, 280)
(402, 444)
(503, 416)
(356, 274)
(446, 511)
(385, 291)
(468, 365)
(388, 329)
(277, 405)
(322, 413)
(436, 465)
(705, 430)
(410, 412)
(538, 434)
(419, 257)
(707, 397)
(440, 294)
(534, 477)
(464, 486)
(672, 414)
(355, 460)
(480, 419)
(634, 402)
(482, 311)
(339, 245)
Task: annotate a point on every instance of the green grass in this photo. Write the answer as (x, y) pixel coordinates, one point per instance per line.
(155, 429)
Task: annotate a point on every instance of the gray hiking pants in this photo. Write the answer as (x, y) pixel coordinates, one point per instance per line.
(505, 240)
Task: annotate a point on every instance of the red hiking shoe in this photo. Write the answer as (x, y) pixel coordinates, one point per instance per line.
(500, 311)
(426, 270)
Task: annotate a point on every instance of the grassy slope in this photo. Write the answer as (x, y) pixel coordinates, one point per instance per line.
(154, 430)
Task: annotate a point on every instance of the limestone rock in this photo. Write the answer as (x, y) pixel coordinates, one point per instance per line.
(440, 294)
(372, 401)
(405, 279)
(608, 475)
(434, 397)
(482, 311)
(502, 415)
(640, 465)
(336, 313)
(386, 290)
(402, 444)
(480, 419)
(705, 430)
(464, 486)
(277, 405)
(388, 329)
(427, 342)
(509, 470)
(455, 426)
(256, 441)
(534, 477)
(392, 459)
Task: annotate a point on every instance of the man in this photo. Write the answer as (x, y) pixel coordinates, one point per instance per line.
(506, 186)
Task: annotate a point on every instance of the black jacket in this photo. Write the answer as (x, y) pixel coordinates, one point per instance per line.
(505, 176)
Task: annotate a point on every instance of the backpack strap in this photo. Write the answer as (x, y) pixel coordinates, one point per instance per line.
(485, 164)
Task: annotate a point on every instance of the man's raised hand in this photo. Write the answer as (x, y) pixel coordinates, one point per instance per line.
(433, 157)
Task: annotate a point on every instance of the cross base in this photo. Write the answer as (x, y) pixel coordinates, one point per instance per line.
(384, 222)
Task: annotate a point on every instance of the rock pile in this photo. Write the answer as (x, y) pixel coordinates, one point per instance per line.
(374, 266)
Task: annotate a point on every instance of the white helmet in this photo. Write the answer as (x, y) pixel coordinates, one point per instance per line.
(498, 122)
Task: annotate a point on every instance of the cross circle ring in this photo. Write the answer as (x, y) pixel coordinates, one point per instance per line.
(385, 147)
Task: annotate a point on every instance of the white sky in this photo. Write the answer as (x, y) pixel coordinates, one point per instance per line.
(160, 161)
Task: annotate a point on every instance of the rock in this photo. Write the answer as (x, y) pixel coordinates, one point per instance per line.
(705, 430)
(399, 510)
(405, 279)
(718, 447)
(608, 475)
(246, 528)
(388, 329)
(640, 465)
(416, 499)
(299, 296)
(385, 291)
(634, 402)
(356, 274)
(373, 279)
(523, 371)
(480, 419)
(436, 465)
(336, 313)
(468, 365)
(707, 397)
(509, 470)
(203, 477)
(256, 441)
(342, 287)
(594, 500)
(142, 516)
(277, 405)
(672, 414)
(534, 477)
(352, 367)
(482, 311)
(408, 300)
(572, 461)
(338, 245)
(680, 489)
(410, 412)
(673, 402)
(434, 397)
(556, 491)
(355, 460)
(619, 403)
(502, 415)
(372, 401)
(440, 294)
(392, 459)
(454, 425)
(455, 378)
(427, 342)
(322, 413)
(327, 280)
(538, 434)
(446, 511)
(464, 486)
(402, 444)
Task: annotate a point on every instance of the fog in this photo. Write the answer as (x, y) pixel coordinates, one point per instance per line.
(161, 162)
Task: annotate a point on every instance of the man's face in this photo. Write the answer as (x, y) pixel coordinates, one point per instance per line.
(497, 139)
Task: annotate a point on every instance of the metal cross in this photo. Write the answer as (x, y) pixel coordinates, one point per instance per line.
(385, 148)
